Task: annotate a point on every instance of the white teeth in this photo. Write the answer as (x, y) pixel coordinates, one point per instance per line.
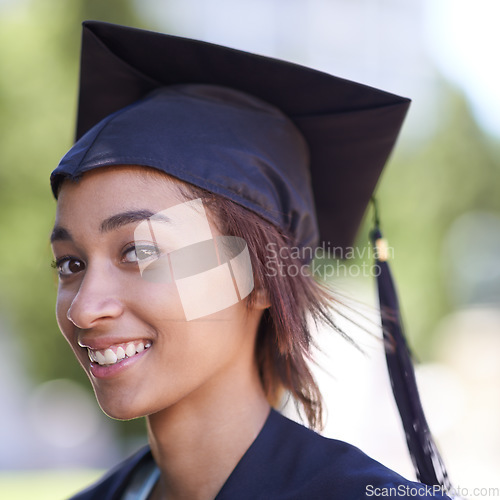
(110, 357)
(99, 357)
(130, 350)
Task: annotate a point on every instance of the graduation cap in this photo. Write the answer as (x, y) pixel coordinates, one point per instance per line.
(300, 147)
(349, 128)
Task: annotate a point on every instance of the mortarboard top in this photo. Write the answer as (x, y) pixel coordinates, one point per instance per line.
(350, 129)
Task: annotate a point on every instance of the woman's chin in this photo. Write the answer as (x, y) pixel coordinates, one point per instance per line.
(120, 408)
(121, 412)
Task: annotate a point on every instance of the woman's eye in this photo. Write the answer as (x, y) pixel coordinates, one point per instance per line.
(140, 253)
(68, 266)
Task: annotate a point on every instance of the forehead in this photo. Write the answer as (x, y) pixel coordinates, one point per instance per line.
(104, 191)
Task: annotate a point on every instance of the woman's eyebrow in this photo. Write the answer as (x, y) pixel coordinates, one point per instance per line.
(60, 234)
(124, 218)
(111, 223)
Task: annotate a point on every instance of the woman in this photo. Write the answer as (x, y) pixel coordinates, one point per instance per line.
(182, 210)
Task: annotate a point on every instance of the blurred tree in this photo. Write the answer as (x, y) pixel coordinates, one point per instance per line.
(421, 194)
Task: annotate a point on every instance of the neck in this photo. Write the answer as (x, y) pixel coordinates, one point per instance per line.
(198, 442)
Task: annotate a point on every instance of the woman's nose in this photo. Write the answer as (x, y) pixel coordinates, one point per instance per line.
(97, 300)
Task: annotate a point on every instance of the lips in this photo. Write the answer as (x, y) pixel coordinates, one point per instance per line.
(118, 352)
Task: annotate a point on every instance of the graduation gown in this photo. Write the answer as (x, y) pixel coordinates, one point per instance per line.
(286, 461)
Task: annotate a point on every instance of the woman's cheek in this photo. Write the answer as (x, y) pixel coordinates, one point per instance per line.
(158, 300)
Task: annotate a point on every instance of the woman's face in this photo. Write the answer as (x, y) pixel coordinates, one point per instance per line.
(130, 334)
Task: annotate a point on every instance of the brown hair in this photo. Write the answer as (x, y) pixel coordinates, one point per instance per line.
(284, 342)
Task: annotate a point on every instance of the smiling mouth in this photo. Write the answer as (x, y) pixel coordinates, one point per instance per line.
(116, 353)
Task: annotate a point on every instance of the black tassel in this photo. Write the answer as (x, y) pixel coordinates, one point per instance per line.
(426, 459)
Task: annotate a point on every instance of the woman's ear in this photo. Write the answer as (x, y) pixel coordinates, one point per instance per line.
(260, 299)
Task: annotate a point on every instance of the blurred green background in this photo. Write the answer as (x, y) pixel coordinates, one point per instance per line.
(439, 197)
